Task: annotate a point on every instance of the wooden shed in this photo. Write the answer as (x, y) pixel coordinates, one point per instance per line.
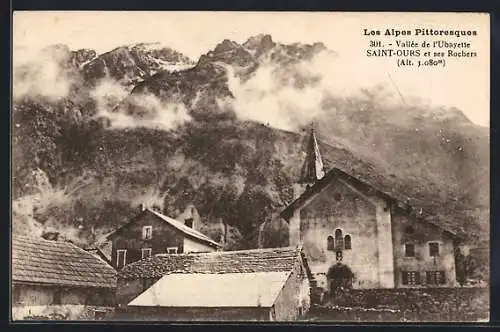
(247, 285)
(55, 279)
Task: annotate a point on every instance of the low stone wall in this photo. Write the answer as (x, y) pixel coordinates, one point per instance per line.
(405, 305)
(61, 312)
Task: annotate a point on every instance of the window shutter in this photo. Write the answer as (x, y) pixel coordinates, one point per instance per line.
(417, 278)
(442, 279)
(423, 277)
(404, 277)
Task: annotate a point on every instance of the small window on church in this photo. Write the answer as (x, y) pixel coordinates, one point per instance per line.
(337, 197)
(409, 250)
(339, 239)
(433, 249)
(347, 242)
(330, 243)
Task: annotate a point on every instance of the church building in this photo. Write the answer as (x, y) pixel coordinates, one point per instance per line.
(356, 235)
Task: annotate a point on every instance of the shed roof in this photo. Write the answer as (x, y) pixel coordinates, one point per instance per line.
(221, 262)
(255, 289)
(41, 261)
(177, 225)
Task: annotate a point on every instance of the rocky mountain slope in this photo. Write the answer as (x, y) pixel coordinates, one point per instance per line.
(131, 64)
(226, 134)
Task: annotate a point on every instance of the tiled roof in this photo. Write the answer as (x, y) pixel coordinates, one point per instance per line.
(220, 262)
(259, 289)
(179, 226)
(37, 260)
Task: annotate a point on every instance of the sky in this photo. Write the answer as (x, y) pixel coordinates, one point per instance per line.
(462, 83)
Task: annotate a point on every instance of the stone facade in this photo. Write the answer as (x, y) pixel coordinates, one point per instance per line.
(348, 224)
(294, 300)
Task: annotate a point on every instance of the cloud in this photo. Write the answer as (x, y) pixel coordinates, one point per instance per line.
(266, 98)
(292, 96)
(137, 110)
(41, 72)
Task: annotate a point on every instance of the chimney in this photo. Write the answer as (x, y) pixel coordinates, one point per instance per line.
(188, 222)
(190, 216)
(262, 230)
(51, 235)
(142, 207)
(223, 237)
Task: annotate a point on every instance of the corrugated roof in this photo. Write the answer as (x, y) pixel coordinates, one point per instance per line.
(258, 289)
(221, 262)
(179, 226)
(37, 260)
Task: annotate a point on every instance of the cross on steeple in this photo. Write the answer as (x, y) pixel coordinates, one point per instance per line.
(312, 169)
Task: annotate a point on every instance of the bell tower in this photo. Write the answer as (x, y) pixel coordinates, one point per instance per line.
(312, 170)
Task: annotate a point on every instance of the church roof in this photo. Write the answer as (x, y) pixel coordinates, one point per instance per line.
(400, 202)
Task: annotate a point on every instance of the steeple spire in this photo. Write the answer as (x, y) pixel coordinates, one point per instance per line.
(312, 169)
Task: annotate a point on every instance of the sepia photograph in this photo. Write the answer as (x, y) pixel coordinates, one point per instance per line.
(250, 166)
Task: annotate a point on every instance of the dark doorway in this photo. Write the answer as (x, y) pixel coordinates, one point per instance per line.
(339, 278)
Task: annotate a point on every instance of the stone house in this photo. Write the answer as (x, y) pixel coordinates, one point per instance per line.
(244, 285)
(58, 277)
(359, 235)
(151, 233)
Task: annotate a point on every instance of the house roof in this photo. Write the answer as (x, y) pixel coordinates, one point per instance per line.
(221, 262)
(188, 231)
(254, 289)
(41, 261)
(416, 211)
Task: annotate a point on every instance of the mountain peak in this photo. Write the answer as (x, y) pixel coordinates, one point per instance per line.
(226, 45)
(261, 40)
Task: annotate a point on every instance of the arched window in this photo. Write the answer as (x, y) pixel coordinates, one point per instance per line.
(330, 243)
(347, 242)
(339, 239)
